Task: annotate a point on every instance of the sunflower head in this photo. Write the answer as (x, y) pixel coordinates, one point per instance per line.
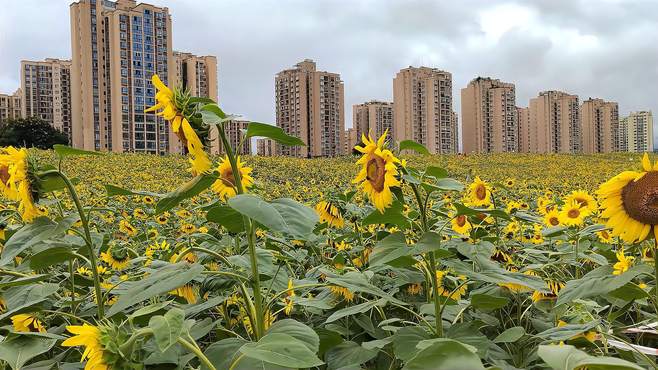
(378, 172)
(225, 186)
(479, 194)
(330, 213)
(630, 203)
(19, 182)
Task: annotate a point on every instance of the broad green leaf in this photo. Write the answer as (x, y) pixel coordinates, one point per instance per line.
(568, 357)
(212, 107)
(226, 354)
(6, 283)
(488, 302)
(167, 328)
(162, 281)
(283, 350)
(356, 282)
(412, 145)
(297, 330)
(147, 310)
(449, 184)
(257, 129)
(406, 339)
(353, 310)
(348, 353)
(436, 172)
(16, 351)
(510, 335)
(328, 340)
(281, 215)
(188, 190)
(113, 190)
(392, 215)
(598, 282)
(227, 217)
(32, 234)
(392, 250)
(565, 332)
(50, 256)
(65, 150)
(445, 354)
(20, 298)
(431, 242)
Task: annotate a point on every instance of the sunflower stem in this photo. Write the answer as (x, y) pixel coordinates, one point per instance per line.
(655, 267)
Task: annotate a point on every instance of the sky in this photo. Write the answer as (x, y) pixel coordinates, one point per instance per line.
(605, 49)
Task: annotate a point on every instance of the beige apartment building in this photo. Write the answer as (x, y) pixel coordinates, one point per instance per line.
(422, 100)
(489, 117)
(555, 117)
(600, 126)
(233, 130)
(637, 132)
(198, 75)
(116, 47)
(310, 106)
(350, 140)
(373, 118)
(527, 134)
(265, 147)
(10, 106)
(46, 87)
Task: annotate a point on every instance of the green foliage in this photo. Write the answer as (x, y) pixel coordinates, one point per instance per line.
(31, 132)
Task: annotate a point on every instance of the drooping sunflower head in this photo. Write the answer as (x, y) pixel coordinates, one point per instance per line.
(630, 203)
(378, 172)
(102, 344)
(18, 181)
(27, 323)
(225, 186)
(330, 213)
(479, 193)
(118, 258)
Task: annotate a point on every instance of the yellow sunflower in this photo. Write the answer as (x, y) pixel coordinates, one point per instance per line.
(479, 194)
(225, 185)
(88, 336)
(126, 228)
(27, 323)
(343, 292)
(188, 292)
(172, 112)
(583, 199)
(330, 214)
(117, 258)
(552, 218)
(461, 225)
(623, 262)
(573, 214)
(553, 286)
(16, 181)
(629, 203)
(378, 172)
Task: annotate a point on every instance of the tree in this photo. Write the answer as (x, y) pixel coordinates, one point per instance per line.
(31, 132)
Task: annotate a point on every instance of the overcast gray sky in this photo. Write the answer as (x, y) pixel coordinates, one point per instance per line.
(594, 48)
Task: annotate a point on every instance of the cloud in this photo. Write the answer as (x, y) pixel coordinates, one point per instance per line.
(600, 51)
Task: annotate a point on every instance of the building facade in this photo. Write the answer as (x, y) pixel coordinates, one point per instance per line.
(527, 134)
(265, 147)
(310, 106)
(373, 118)
(489, 117)
(233, 130)
(10, 106)
(600, 126)
(555, 115)
(422, 101)
(637, 132)
(350, 141)
(116, 47)
(46, 87)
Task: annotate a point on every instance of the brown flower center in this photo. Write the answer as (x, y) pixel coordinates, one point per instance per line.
(554, 221)
(375, 172)
(461, 220)
(481, 192)
(227, 177)
(4, 174)
(640, 199)
(573, 213)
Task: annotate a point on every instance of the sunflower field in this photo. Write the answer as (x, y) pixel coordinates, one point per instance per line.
(393, 259)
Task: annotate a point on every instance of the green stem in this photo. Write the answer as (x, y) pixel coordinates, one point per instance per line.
(194, 349)
(71, 273)
(655, 266)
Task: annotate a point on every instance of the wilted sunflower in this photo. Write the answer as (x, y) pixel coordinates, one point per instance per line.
(168, 101)
(225, 186)
(17, 181)
(479, 194)
(88, 336)
(330, 213)
(117, 258)
(630, 203)
(27, 323)
(378, 172)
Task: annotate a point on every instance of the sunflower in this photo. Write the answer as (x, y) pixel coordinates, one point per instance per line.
(630, 203)
(454, 293)
(187, 228)
(583, 199)
(167, 101)
(604, 236)
(479, 194)
(148, 199)
(343, 292)
(288, 300)
(88, 336)
(117, 258)
(378, 172)
(225, 185)
(623, 262)
(510, 183)
(461, 225)
(188, 292)
(573, 214)
(126, 228)
(162, 218)
(552, 218)
(17, 181)
(27, 323)
(330, 213)
(553, 286)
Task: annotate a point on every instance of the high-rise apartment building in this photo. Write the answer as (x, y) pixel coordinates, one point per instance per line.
(600, 126)
(422, 105)
(46, 87)
(637, 130)
(527, 134)
(265, 147)
(10, 106)
(350, 141)
(116, 47)
(198, 75)
(233, 130)
(555, 117)
(489, 117)
(310, 106)
(373, 118)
